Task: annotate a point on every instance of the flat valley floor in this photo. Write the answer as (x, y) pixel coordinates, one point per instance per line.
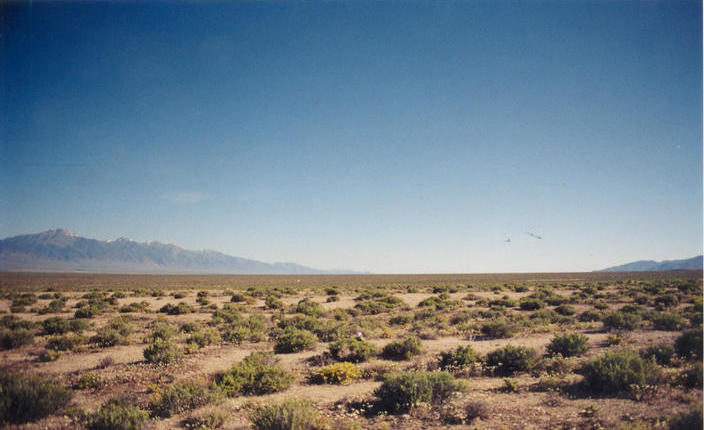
(95, 335)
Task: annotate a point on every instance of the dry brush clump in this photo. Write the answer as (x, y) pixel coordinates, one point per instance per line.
(458, 359)
(117, 414)
(297, 414)
(259, 373)
(568, 345)
(162, 352)
(617, 372)
(294, 340)
(352, 350)
(26, 397)
(181, 397)
(403, 349)
(689, 343)
(402, 391)
(511, 360)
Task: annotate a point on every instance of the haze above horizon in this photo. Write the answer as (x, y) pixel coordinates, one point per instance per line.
(391, 137)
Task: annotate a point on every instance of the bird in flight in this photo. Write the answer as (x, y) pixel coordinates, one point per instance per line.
(508, 240)
(533, 235)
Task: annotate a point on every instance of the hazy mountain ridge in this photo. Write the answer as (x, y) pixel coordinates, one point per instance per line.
(62, 249)
(656, 266)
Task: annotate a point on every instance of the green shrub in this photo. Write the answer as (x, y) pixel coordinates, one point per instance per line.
(497, 329)
(600, 305)
(614, 339)
(461, 317)
(237, 297)
(67, 342)
(26, 397)
(510, 359)
(291, 414)
(692, 376)
(631, 309)
(458, 358)
(337, 373)
(179, 309)
(440, 302)
(190, 327)
(565, 309)
(117, 414)
(509, 386)
(57, 325)
(271, 302)
(25, 299)
(477, 409)
(210, 417)
(641, 299)
(308, 307)
(235, 333)
(179, 398)
(352, 350)
(569, 345)
(400, 392)
(689, 343)
(88, 381)
(666, 321)
(121, 325)
(373, 304)
(662, 353)
(403, 349)
(15, 309)
(53, 307)
(616, 371)
(107, 337)
(162, 352)
(11, 339)
(531, 304)
(325, 330)
(589, 316)
(294, 340)
(691, 420)
(621, 321)
(548, 296)
(503, 302)
(545, 316)
(94, 295)
(48, 355)
(135, 307)
(258, 374)
(161, 330)
(12, 322)
(665, 301)
(550, 384)
(87, 311)
(203, 338)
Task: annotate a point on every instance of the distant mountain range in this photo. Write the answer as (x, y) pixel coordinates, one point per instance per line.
(63, 250)
(655, 266)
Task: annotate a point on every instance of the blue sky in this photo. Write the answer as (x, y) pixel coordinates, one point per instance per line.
(392, 137)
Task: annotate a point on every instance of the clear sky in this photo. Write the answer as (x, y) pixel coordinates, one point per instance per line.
(383, 136)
